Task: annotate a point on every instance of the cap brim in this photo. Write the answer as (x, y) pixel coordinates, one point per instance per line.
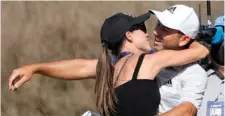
(141, 18)
(163, 18)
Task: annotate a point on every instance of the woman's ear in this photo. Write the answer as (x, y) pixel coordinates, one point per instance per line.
(184, 40)
(128, 36)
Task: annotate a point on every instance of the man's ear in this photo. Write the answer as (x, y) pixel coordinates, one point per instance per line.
(128, 35)
(184, 40)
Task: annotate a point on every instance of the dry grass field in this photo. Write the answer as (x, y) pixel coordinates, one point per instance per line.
(34, 32)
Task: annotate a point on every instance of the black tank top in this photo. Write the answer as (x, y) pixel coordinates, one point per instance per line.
(137, 97)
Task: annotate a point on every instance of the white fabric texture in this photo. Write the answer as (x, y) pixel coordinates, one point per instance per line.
(188, 85)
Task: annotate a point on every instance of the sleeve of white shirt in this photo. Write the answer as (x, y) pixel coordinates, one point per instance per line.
(194, 84)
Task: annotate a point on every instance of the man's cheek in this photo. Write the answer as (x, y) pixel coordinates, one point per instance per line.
(159, 46)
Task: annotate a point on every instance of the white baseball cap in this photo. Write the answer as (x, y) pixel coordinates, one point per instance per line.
(179, 17)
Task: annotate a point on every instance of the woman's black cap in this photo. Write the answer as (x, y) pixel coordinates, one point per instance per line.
(115, 27)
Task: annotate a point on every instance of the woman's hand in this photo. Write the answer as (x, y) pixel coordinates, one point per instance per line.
(20, 76)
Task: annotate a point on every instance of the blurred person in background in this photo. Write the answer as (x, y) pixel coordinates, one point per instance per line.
(213, 100)
(181, 88)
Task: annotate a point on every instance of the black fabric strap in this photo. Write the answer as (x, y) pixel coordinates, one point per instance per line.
(138, 65)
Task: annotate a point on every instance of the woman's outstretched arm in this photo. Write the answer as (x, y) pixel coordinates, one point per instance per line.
(68, 69)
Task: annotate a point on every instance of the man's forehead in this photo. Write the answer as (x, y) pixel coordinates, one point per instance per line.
(166, 28)
(160, 24)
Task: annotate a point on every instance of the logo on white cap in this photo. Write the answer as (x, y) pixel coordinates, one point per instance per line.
(171, 9)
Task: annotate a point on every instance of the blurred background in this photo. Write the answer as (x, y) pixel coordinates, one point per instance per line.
(35, 32)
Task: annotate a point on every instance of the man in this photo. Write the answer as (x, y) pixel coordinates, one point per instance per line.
(180, 96)
(213, 100)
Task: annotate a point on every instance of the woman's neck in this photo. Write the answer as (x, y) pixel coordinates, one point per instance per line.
(134, 51)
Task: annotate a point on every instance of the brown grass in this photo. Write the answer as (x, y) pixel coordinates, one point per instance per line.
(49, 31)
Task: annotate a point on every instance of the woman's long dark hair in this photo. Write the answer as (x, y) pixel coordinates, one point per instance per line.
(104, 87)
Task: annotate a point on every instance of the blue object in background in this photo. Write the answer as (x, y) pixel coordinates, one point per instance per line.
(219, 21)
(219, 26)
(219, 35)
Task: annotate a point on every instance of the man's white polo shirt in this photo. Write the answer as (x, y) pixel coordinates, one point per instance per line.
(188, 85)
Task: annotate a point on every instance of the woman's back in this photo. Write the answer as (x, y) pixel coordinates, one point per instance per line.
(137, 97)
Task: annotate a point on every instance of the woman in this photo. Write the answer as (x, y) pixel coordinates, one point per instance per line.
(129, 87)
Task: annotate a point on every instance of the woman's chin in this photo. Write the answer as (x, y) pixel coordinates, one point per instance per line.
(147, 49)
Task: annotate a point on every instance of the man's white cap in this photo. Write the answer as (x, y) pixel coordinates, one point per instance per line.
(179, 17)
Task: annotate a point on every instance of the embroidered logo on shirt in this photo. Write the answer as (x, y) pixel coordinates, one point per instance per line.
(169, 83)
